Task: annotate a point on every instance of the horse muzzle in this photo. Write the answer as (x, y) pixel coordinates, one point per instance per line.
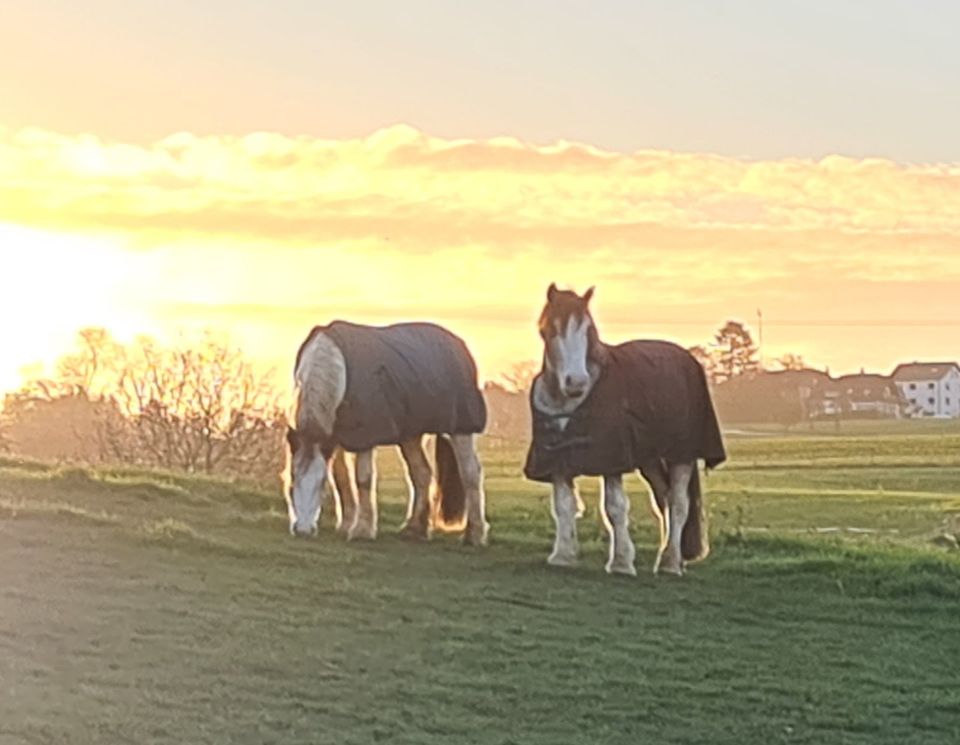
(303, 531)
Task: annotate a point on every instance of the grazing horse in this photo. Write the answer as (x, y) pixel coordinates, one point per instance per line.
(359, 387)
(601, 410)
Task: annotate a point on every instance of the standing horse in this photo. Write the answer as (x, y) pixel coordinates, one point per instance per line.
(601, 410)
(359, 387)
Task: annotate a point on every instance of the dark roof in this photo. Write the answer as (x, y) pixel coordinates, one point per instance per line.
(923, 370)
(864, 379)
(865, 386)
(806, 375)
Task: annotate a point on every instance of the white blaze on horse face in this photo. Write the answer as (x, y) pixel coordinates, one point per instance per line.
(309, 478)
(567, 353)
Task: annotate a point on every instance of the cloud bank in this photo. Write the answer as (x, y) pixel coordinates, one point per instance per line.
(400, 223)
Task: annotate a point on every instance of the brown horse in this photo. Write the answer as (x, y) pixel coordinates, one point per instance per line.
(360, 387)
(602, 410)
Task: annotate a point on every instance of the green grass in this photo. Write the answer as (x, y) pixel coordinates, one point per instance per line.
(150, 607)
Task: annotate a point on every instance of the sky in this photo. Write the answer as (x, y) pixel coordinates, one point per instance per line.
(258, 168)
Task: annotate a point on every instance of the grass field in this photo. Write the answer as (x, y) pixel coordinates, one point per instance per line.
(145, 607)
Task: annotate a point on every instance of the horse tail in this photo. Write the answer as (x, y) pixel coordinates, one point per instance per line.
(694, 540)
(451, 501)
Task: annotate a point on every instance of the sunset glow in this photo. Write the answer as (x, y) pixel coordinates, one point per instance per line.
(853, 262)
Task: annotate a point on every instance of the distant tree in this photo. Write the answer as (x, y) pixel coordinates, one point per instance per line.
(792, 362)
(94, 364)
(736, 352)
(707, 359)
(519, 377)
(508, 412)
(54, 424)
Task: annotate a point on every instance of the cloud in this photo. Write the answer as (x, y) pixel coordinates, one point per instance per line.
(281, 230)
(401, 182)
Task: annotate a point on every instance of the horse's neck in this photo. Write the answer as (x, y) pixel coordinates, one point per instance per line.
(321, 383)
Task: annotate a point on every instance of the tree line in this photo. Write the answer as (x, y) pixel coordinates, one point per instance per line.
(731, 352)
(201, 406)
(197, 406)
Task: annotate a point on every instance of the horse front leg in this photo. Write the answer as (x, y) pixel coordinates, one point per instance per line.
(564, 509)
(616, 512)
(365, 525)
(346, 495)
(419, 474)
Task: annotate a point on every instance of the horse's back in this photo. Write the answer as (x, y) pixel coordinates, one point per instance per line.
(650, 358)
(405, 380)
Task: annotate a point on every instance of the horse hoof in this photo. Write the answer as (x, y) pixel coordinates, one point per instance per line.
(413, 532)
(670, 571)
(562, 560)
(361, 532)
(475, 537)
(627, 570)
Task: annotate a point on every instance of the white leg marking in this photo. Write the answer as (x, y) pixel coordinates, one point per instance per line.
(365, 526)
(471, 473)
(419, 475)
(616, 511)
(670, 560)
(565, 547)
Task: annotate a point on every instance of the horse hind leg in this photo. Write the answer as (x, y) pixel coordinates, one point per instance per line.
(564, 508)
(477, 528)
(658, 478)
(419, 475)
(365, 525)
(616, 513)
(670, 559)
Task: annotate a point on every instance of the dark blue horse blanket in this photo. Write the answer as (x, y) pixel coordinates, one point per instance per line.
(650, 403)
(403, 381)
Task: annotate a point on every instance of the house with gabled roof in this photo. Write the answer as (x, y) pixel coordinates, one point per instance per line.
(867, 395)
(932, 389)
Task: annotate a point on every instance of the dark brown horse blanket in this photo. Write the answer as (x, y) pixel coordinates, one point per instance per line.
(404, 380)
(650, 401)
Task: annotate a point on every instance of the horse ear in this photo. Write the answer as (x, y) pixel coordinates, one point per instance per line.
(552, 292)
(588, 294)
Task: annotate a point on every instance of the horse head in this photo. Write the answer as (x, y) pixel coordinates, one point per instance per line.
(305, 477)
(570, 342)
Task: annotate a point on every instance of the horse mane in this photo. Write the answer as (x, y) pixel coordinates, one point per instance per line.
(320, 380)
(313, 332)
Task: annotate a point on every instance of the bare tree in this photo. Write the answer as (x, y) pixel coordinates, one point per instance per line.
(194, 406)
(792, 362)
(93, 365)
(519, 378)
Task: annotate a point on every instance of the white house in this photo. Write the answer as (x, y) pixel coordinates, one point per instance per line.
(930, 388)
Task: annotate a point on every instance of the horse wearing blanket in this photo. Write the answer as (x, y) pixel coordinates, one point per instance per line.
(601, 410)
(359, 387)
